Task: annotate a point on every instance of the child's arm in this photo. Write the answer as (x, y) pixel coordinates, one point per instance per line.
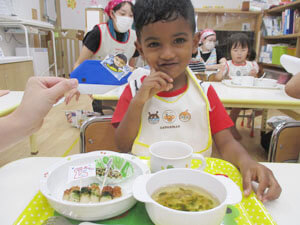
(129, 126)
(232, 151)
(255, 69)
(292, 86)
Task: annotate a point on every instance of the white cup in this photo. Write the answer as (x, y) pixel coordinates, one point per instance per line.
(172, 154)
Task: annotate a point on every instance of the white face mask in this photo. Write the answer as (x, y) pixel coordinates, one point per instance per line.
(209, 45)
(123, 23)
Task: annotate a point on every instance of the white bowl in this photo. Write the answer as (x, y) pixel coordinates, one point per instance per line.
(55, 181)
(224, 189)
(265, 82)
(242, 80)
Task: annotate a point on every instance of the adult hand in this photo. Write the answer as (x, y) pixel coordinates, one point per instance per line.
(39, 96)
(71, 94)
(268, 187)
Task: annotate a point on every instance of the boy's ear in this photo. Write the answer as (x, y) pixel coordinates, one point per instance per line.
(196, 40)
(138, 46)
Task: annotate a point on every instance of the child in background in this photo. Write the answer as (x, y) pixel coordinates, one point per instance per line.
(209, 55)
(171, 104)
(241, 63)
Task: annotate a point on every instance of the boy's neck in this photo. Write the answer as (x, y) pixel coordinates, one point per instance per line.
(179, 82)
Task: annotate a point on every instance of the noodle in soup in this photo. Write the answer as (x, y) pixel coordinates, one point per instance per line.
(185, 198)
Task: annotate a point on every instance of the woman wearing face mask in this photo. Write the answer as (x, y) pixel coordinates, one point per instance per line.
(208, 54)
(113, 37)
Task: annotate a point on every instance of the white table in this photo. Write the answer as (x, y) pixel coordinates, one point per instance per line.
(20, 183)
(241, 97)
(10, 102)
(255, 97)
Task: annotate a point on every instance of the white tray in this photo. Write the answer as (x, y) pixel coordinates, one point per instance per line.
(230, 84)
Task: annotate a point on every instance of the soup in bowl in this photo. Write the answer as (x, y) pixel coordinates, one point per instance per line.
(186, 196)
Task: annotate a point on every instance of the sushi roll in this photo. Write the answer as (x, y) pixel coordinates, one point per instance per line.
(117, 192)
(74, 194)
(107, 193)
(95, 193)
(67, 194)
(85, 195)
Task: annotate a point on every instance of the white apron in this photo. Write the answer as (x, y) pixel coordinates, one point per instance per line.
(182, 118)
(212, 59)
(238, 70)
(110, 46)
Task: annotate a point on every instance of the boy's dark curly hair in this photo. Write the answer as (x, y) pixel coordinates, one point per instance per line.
(150, 11)
(240, 39)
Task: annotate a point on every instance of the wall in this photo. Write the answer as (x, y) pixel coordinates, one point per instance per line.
(22, 8)
(232, 4)
(73, 14)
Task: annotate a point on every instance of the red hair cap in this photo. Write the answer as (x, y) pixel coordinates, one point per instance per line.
(112, 4)
(205, 33)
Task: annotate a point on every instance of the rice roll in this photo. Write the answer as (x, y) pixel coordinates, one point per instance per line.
(107, 194)
(67, 194)
(117, 192)
(85, 195)
(95, 193)
(74, 194)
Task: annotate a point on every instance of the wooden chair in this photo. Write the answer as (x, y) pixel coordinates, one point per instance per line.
(97, 133)
(285, 143)
(68, 44)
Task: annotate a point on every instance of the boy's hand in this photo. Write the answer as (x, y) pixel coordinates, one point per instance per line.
(153, 84)
(268, 188)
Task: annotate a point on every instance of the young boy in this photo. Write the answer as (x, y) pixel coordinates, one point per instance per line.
(170, 104)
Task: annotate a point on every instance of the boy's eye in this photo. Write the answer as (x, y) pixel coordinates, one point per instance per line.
(179, 40)
(153, 45)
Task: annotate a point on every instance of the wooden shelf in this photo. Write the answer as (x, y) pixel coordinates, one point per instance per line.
(223, 11)
(285, 36)
(271, 65)
(279, 9)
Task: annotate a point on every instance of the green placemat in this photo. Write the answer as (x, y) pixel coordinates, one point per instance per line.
(250, 211)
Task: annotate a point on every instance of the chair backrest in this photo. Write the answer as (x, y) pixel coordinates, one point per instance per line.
(97, 133)
(68, 43)
(285, 142)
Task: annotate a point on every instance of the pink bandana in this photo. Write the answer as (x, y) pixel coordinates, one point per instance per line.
(112, 4)
(205, 33)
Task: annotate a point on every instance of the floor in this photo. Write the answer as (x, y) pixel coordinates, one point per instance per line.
(58, 138)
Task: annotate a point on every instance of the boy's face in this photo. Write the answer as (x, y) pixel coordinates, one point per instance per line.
(167, 46)
(119, 62)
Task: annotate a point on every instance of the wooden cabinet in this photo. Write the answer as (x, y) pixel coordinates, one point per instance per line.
(14, 76)
(293, 38)
(230, 20)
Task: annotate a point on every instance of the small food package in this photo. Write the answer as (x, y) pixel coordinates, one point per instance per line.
(120, 170)
(77, 117)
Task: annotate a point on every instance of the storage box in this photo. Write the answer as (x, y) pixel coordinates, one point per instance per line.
(277, 51)
(291, 51)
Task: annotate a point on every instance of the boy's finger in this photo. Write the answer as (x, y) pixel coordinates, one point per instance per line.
(263, 184)
(273, 192)
(165, 76)
(247, 183)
